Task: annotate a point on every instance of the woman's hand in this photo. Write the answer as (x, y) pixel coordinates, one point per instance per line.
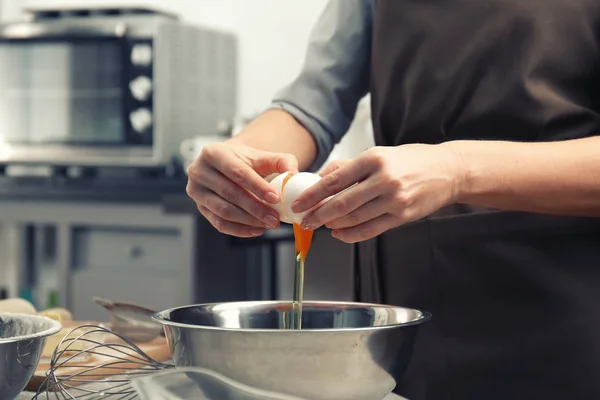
(227, 183)
(382, 188)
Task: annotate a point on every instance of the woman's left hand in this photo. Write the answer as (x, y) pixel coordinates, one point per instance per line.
(382, 188)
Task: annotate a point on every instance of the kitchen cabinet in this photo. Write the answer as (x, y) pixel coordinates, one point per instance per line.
(131, 252)
(141, 265)
(66, 243)
(126, 252)
(123, 247)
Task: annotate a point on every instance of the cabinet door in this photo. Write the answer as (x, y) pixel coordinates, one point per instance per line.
(144, 266)
(154, 291)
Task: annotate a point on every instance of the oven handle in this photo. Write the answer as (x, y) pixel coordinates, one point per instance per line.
(31, 30)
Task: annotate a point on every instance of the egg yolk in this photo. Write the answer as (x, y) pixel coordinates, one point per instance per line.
(303, 240)
(303, 237)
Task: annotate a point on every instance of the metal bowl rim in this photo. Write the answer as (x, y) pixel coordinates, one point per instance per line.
(54, 329)
(160, 318)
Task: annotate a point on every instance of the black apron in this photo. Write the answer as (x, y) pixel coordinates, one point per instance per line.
(515, 296)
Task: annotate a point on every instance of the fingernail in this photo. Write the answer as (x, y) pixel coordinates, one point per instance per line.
(271, 221)
(271, 198)
(256, 231)
(334, 234)
(295, 205)
(306, 225)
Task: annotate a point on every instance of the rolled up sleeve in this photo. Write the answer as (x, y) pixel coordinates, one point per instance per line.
(335, 75)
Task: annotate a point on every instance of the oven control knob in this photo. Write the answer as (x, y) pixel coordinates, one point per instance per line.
(141, 54)
(141, 119)
(141, 87)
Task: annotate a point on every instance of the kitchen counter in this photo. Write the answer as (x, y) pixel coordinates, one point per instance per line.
(170, 194)
(29, 396)
(110, 189)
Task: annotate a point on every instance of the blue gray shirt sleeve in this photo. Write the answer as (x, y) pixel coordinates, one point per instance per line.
(335, 74)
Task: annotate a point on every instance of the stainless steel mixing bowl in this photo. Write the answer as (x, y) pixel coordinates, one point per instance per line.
(22, 340)
(350, 351)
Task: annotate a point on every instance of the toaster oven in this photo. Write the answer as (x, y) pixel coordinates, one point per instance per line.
(106, 87)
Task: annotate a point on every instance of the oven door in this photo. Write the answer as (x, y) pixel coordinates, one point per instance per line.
(64, 97)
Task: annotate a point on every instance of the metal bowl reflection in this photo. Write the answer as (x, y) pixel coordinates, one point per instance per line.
(351, 351)
(22, 340)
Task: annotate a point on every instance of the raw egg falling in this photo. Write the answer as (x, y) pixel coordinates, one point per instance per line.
(289, 187)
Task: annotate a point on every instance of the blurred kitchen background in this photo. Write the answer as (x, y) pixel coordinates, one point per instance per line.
(102, 106)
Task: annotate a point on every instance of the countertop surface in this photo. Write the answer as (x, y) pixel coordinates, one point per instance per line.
(110, 189)
(28, 396)
(169, 194)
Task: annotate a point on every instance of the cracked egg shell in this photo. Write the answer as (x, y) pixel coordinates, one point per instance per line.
(289, 191)
(277, 184)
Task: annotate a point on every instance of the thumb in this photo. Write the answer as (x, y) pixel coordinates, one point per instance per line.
(266, 163)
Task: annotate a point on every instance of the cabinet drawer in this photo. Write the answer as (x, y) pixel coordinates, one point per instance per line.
(157, 249)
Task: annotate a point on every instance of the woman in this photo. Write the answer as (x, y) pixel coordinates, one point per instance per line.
(480, 201)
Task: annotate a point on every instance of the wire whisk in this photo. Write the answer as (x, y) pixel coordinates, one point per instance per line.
(93, 362)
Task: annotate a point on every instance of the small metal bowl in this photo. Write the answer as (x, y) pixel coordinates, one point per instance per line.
(22, 340)
(350, 351)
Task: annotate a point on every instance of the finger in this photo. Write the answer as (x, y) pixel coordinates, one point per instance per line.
(360, 215)
(267, 163)
(228, 227)
(227, 211)
(234, 194)
(333, 166)
(342, 204)
(332, 183)
(241, 173)
(367, 230)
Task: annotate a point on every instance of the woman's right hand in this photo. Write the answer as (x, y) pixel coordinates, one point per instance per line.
(227, 183)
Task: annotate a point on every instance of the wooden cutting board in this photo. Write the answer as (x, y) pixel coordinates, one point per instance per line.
(157, 349)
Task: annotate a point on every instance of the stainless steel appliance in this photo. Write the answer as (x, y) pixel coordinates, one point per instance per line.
(111, 87)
